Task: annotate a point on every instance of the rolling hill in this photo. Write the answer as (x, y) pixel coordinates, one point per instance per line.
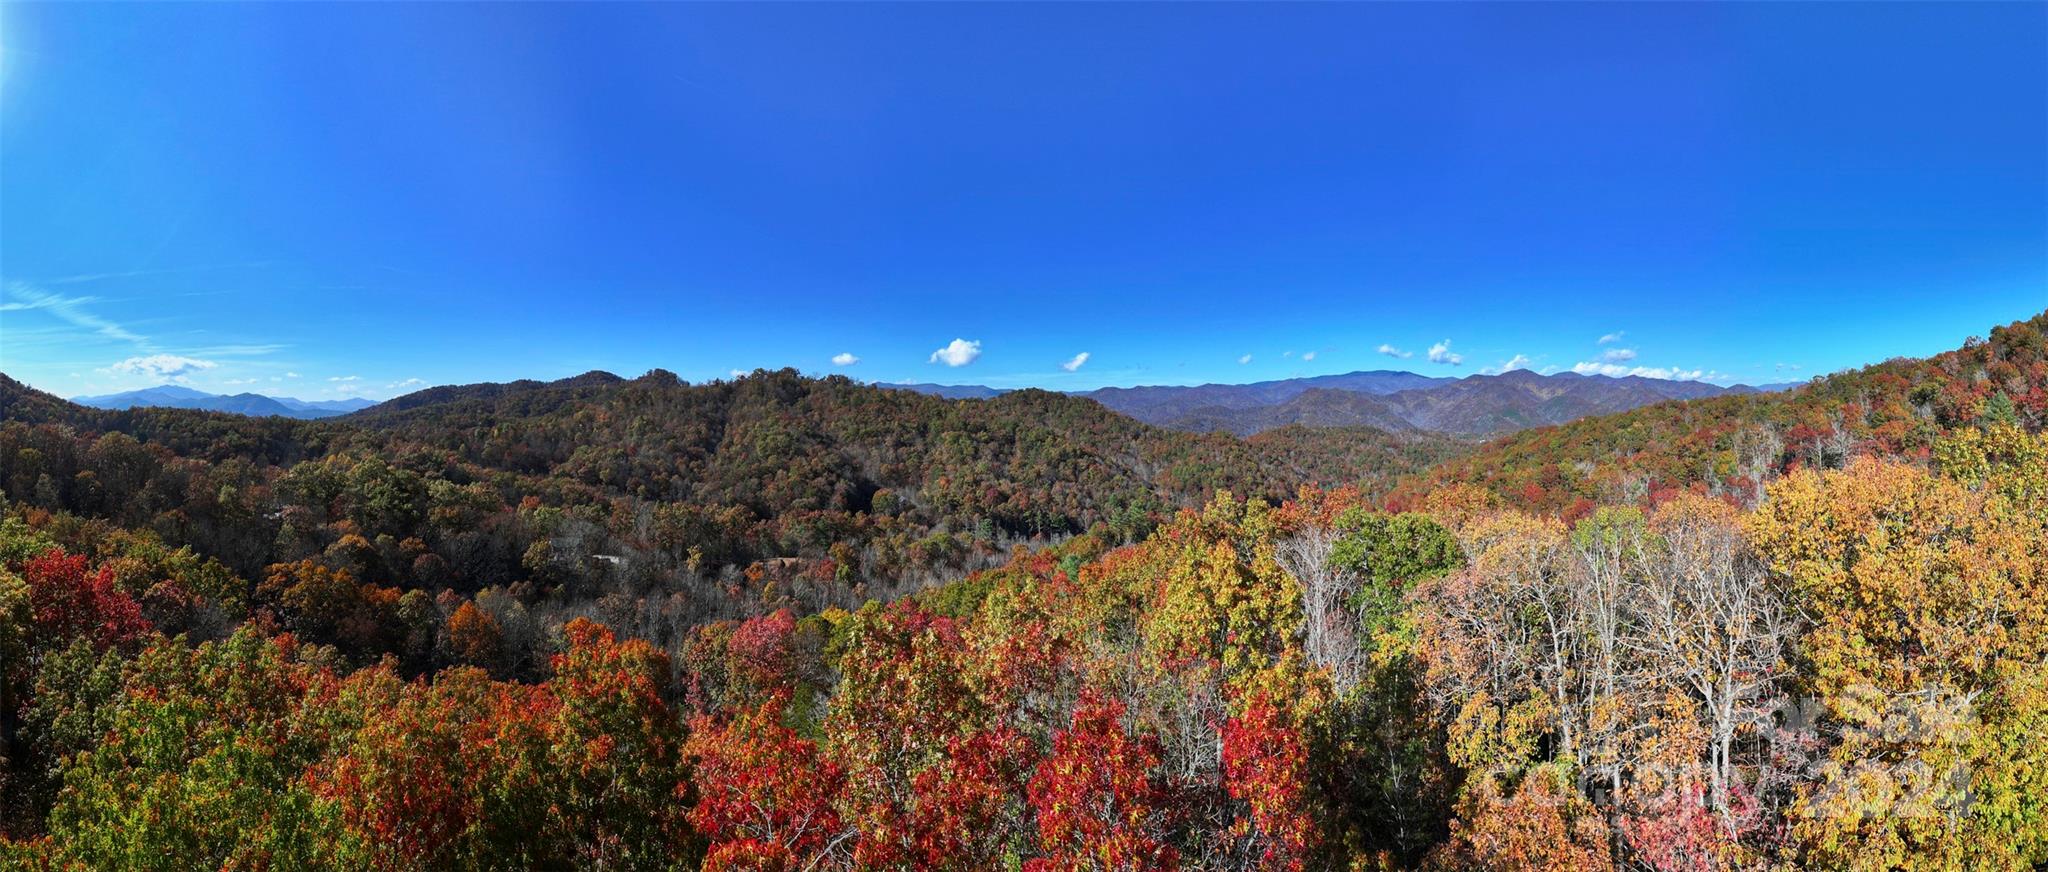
(1167, 405)
(773, 465)
(1478, 406)
(1474, 407)
(794, 464)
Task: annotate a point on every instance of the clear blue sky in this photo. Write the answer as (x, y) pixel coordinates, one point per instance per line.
(283, 196)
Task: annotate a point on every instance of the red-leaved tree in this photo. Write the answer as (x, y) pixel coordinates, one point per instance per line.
(1097, 803)
(764, 794)
(67, 601)
(1264, 767)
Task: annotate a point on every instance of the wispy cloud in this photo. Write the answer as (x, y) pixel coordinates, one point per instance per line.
(1245, 359)
(1442, 353)
(22, 296)
(1076, 363)
(1618, 355)
(26, 298)
(344, 378)
(1612, 337)
(1391, 351)
(405, 383)
(138, 273)
(844, 358)
(1308, 355)
(959, 352)
(74, 322)
(250, 350)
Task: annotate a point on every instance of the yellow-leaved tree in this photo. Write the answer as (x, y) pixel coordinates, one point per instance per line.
(1927, 654)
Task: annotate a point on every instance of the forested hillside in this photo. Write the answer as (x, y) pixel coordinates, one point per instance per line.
(1474, 407)
(598, 624)
(1730, 446)
(837, 490)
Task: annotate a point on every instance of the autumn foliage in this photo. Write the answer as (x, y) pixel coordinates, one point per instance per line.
(67, 600)
(1097, 804)
(1831, 655)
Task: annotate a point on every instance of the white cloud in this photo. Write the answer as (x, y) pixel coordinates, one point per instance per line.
(1519, 361)
(1245, 359)
(405, 384)
(170, 366)
(239, 381)
(291, 375)
(1391, 351)
(738, 373)
(1308, 355)
(844, 358)
(1442, 353)
(1287, 354)
(959, 352)
(1669, 373)
(1075, 364)
(344, 378)
(1612, 337)
(1606, 369)
(1618, 355)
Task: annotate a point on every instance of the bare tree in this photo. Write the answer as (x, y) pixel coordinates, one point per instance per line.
(1509, 625)
(1611, 562)
(1329, 626)
(1609, 628)
(1709, 622)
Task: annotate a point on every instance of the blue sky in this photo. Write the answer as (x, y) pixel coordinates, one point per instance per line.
(324, 200)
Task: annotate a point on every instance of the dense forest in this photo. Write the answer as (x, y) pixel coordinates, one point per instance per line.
(765, 491)
(786, 623)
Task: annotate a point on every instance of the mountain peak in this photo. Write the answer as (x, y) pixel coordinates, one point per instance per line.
(164, 391)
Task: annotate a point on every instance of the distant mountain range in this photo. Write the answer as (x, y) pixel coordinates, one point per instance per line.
(1476, 406)
(951, 392)
(179, 397)
(1479, 406)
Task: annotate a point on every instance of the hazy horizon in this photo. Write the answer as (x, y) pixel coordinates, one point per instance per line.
(261, 391)
(1066, 197)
